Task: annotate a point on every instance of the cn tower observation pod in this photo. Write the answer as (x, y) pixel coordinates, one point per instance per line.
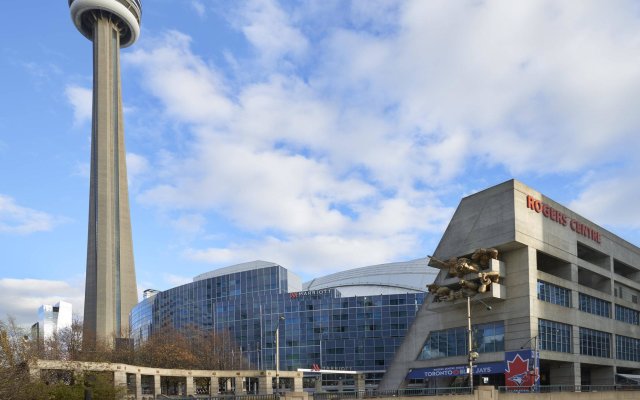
(125, 13)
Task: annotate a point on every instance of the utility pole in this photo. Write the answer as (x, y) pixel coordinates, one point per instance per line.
(278, 354)
(469, 338)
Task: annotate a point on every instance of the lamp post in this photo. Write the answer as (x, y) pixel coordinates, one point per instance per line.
(536, 360)
(281, 318)
(473, 355)
(470, 343)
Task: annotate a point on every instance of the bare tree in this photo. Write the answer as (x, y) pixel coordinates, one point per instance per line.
(15, 353)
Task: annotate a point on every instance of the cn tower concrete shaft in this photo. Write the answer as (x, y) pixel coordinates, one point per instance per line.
(110, 291)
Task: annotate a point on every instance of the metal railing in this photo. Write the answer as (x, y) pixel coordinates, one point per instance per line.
(222, 397)
(414, 392)
(372, 394)
(361, 394)
(569, 388)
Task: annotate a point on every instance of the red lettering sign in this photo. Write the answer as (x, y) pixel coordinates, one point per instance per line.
(557, 216)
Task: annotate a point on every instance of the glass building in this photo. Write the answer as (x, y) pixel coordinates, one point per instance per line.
(51, 320)
(352, 320)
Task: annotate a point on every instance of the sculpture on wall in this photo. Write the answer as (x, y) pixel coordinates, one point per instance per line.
(479, 282)
(483, 256)
(456, 266)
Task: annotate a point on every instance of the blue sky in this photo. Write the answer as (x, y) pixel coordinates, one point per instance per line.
(321, 135)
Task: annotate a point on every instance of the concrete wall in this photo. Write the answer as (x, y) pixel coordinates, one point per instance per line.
(120, 372)
(533, 245)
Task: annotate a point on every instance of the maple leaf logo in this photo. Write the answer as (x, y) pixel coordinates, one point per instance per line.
(518, 372)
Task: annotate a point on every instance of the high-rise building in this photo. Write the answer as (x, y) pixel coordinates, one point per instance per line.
(110, 290)
(51, 319)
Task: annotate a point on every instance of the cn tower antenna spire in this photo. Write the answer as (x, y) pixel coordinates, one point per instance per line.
(110, 289)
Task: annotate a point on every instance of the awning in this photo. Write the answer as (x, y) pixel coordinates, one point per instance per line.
(456, 370)
(635, 378)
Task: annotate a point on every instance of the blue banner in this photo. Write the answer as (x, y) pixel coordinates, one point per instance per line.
(457, 370)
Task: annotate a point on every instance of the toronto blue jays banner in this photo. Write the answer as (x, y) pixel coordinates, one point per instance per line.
(456, 370)
(522, 370)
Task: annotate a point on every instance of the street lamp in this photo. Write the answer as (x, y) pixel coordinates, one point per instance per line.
(281, 318)
(473, 355)
(535, 359)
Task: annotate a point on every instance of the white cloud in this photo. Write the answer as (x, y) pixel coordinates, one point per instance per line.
(16, 219)
(191, 91)
(268, 28)
(393, 105)
(21, 298)
(176, 280)
(312, 256)
(81, 100)
(137, 166)
(198, 7)
(190, 223)
(538, 86)
(610, 200)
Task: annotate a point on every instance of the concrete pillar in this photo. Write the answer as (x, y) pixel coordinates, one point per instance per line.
(119, 378)
(157, 385)
(483, 392)
(264, 385)
(214, 388)
(35, 374)
(138, 386)
(319, 384)
(297, 383)
(227, 385)
(359, 381)
(190, 387)
(240, 387)
(564, 374)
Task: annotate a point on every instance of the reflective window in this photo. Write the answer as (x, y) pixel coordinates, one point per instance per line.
(319, 328)
(554, 336)
(554, 294)
(594, 305)
(627, 348)
(595, 343)
(627, 315)
(486, 338)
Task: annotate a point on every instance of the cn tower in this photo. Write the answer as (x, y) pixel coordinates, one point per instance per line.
(110, 290)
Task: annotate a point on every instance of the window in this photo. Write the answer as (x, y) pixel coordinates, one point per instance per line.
(445, 343)
(627, 315)
(453, 342)
(595, 343)
(627, 348)
(488, 338)
(554, 294)
(554, 336)
(594, 305)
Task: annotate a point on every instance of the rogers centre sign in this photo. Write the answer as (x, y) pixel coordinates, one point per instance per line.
(561, 218)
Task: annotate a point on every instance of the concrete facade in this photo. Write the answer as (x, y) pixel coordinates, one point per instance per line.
(110, 290)
(540, 242)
